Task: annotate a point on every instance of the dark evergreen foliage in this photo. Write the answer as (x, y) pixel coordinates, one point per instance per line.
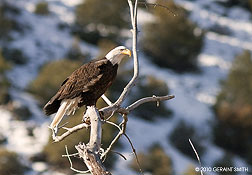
(50, 78)
(22, 112)
(247, 4)
(75, 53)
(180, 136)
(4, 83)
(14, 55)
(155, 162)
(3, 139)
(172, 41)
(233, 109)
(97, 19)
(147, 87)
(42, 8)
(226, 161)
(7, 20)
(10, 163)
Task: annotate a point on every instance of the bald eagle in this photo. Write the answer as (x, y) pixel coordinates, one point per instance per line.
(85, 86)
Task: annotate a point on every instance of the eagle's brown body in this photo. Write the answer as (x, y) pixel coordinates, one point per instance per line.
(84, 86)
(87, 84)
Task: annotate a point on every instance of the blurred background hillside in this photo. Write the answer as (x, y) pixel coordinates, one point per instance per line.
(198, 50)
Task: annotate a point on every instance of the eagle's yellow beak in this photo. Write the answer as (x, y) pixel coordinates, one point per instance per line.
(126, 52)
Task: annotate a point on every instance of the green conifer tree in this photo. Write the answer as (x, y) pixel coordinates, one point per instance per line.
(172, 40)
(97, 19)
(233, 109)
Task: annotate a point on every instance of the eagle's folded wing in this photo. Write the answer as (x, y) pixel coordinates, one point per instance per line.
(81, 80)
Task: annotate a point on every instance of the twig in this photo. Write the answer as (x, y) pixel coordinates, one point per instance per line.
(91, 159)
(120, 133)
(107, 111)
(131, 8)
(110, 116)
(120, 154)
(71, 155)
(105, 98)
(145, 4)
(70, 131)
(133, 14)
(148, 99)
(134, 152)
(198, 158)
(71, 164)
(157, 5)
(111, 123)
(63, 125)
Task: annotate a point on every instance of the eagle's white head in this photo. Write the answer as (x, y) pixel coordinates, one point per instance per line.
(116, 55)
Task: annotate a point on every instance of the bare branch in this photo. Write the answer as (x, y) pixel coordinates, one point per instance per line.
(70, 131)
(148, 99)
(110, 116)
(120, 154)
(157, 5)
(90, 153)
(135, 23)
(71, 164)
(71, 155)
(106, 100)
(198, 158)
(107, 111)
(134, 152)
(131, 11)
(112, 123)
(92, 160)
(133, 14)
(96, 130)
(120, 133)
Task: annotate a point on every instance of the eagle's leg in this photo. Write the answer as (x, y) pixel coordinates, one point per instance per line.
(58, 117)
(54, 132)
(86, 118)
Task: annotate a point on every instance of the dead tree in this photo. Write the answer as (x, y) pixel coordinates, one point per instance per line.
(91, 153)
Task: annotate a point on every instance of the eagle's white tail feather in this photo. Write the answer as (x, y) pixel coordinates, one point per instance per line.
(60, 114)
(73, 105)
(67, 107)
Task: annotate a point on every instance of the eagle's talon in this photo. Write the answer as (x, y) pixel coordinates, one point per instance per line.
(86, 120)
(54, 132)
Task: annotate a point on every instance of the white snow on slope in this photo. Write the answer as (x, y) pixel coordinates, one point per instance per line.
(17, 134)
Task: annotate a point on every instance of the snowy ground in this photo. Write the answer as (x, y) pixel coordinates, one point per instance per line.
(195, 93)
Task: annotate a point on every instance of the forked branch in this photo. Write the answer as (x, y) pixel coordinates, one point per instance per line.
(90, 152)
(70, 131)
(107, 111)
